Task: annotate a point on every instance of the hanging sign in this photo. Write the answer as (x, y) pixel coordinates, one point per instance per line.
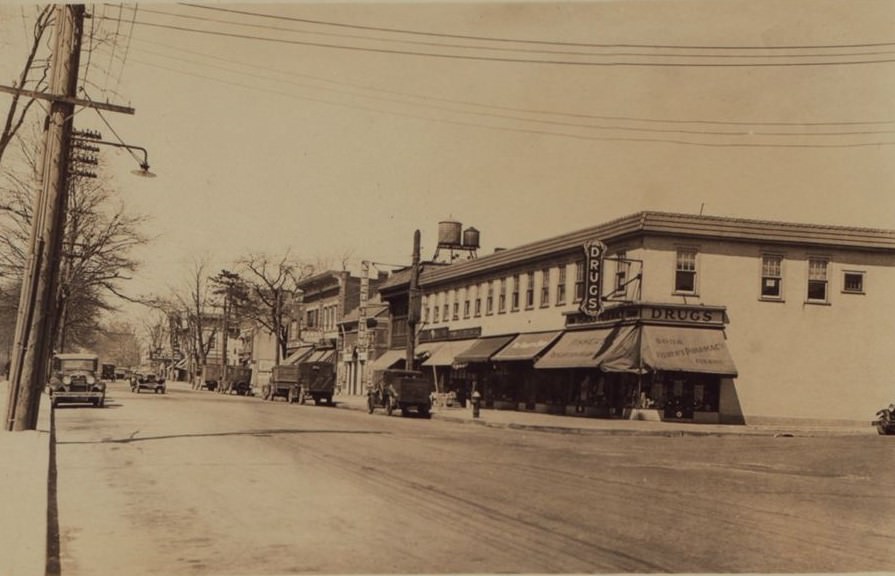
(592, 302)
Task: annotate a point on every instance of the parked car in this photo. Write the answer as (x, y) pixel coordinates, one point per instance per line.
(147, 382)
(885, 421)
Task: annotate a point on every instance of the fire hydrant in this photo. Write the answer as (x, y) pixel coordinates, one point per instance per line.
(476, 403)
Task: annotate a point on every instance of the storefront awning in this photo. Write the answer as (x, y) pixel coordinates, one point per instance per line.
(575, 349)
(482, 349)
(526, 347)
(669, 349)
(297, 355)
(325, 355)
(444, 354)
(181, 364)
(388, 359)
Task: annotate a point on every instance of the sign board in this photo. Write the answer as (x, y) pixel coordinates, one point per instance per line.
(592, 302)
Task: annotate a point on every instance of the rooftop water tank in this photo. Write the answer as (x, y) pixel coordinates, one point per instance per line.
(449, 233)
(471, 238)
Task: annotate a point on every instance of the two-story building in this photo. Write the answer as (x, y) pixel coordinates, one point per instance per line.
(699, 318)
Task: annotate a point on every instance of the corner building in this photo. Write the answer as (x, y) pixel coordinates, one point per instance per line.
(703, 319)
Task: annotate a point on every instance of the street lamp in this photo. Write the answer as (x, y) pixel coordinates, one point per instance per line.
(144, 165)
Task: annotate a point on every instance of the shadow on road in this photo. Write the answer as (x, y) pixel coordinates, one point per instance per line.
(257, 433)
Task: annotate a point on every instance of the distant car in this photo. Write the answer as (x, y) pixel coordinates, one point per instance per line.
(147, 382)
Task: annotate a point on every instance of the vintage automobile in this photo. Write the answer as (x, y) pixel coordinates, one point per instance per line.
(400, 389)
(152, 382)
(74, 379)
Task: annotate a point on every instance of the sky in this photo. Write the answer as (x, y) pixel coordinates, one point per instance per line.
(335, 130)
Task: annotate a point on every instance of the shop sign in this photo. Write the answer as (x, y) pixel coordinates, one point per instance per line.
(592, 303)
(443, 333)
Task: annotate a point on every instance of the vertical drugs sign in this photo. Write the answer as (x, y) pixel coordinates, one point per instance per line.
(592, 302)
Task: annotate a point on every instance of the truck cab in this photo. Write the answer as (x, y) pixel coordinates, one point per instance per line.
(74, 379)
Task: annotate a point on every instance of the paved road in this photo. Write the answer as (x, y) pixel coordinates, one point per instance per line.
(194, 482)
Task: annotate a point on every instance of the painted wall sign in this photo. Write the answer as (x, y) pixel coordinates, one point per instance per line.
(592, 302)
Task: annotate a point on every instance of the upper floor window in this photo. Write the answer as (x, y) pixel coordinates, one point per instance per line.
(489, 300)
(456, 314)
(545, 287)
(467, 304)
(817, 279)
(561, 286)
(853, 282)
(685, 271)
(621, 273)
(771, 276)
(502, 296)
(478, 301)
(514, 303)
(530, 290)
(579, 281)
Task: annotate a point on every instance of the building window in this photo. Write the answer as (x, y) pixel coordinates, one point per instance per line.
(579, 281)
(425, 307)
(530, 290)
(445, 309)
(561, 286)
(772, 276)
(502, 297)
(853, 282)
(489, 300)
(621, 273)
(456, 314)
(478, 301)
(817, 279)
(467, 307)
(545, 287)
(685, 271)
(514, 303)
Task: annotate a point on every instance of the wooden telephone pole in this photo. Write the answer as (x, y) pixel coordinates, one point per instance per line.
(37, 304)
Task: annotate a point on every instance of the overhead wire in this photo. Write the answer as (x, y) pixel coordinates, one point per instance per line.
(481, 58)
(500, 48)
(491, 114)
(532, 41)
(528, 130)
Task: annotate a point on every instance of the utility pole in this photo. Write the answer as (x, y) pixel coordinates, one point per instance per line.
(413, 303)
(37, 303)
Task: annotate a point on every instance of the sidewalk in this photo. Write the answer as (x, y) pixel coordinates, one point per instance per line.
(24, 474)
(512, 419)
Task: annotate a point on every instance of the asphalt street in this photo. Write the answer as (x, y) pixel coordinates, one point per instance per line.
(193, 482)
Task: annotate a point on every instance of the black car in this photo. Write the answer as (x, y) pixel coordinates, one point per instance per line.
(147, 382)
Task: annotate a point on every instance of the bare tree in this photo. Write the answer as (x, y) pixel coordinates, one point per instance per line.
(272, 284)
(33, 77)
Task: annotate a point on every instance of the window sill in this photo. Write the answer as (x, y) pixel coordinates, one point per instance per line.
(855, 292)
(817, 303)
(771, 299)
(685, 294)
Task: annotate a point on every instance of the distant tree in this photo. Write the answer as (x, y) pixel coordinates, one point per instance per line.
(272, 284)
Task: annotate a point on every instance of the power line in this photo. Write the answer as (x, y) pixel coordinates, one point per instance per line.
(528, 130)
(609, 117)
(530, 41)
(512, 60)
(691, 132)
(506, 49)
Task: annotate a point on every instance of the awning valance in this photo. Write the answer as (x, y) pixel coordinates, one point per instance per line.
(444, 354)
(388, 359)
(482, 349)
(297, 355)
(669, 349)
(526, 347)
(575, 349)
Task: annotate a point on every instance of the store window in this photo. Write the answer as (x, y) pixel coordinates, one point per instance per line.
(561, 286)
(685, 271)
(853, 282)
(514, 302)
(817, 280)
(545, 287)
(772, 277)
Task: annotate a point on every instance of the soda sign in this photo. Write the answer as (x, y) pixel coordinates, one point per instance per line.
(592, 303)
